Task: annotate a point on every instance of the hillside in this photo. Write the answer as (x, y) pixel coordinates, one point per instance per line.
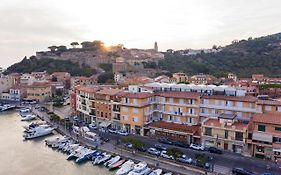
(50, 65)
(245, 57)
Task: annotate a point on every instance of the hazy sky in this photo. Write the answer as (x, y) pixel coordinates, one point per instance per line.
(27, 26)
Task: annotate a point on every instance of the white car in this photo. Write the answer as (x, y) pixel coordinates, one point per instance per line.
(153, 151)
(184, 159)
(112, 130)
(165, 155)
(197, 147)
(92, 126)
(122, 133)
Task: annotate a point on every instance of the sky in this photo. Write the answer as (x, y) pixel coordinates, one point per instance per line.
(27, 26)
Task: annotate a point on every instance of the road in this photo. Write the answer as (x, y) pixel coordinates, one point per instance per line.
(226, 161)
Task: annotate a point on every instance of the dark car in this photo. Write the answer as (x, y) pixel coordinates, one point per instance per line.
(165, 141)
(104, 139)
(142, 149)
(241, 171)
(160, 147)
(215, 150)
(181, 144)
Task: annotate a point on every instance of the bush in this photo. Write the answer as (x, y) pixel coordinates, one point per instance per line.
(175, 152)
(201, 158)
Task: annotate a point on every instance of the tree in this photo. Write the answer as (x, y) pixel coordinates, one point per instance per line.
(61, 48)
(87, 45)
(175, 152)
(52, 48)
(74, 44)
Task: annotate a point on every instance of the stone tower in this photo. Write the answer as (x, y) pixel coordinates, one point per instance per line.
(156, 47)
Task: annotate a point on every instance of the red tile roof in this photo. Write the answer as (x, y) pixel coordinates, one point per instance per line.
(39, 85)
(216, 123)
(232, 98)
(267, 118)
(175, 127)
(171, 94)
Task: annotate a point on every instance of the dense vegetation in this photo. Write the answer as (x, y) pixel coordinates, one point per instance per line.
(267, 86)
(245, 57)
(50, 65)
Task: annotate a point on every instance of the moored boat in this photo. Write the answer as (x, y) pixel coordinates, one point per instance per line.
(126, 168)
(117, 164)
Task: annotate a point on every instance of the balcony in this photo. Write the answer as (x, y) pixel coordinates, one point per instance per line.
(116, 109)
(263, 137)
(230, 108)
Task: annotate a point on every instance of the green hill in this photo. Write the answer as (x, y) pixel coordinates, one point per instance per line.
(245, 57)
(50, 65)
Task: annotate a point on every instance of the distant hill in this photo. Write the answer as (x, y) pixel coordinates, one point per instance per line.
(50, 65)
(244, 57)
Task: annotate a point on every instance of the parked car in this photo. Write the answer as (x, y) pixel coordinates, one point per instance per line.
(241, 171)
(112, 130)
(160, 147)
(197, 147)
(165, 155)
(184, 159)
(122, 133)
(165, 141)
(153, 151)
(142, 149)
(128, 145)
(215, 150)
(92, 126)
(104, 139)
(181, 144)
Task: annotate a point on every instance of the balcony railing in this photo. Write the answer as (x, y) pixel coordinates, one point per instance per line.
(231, 108)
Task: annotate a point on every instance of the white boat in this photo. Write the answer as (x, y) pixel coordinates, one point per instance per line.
(25, 114)
(7, 107)
(102, 158)
(169, 173)
(71, 147)
(84, 155)
(28, 117)
(156, 172)
(74, 154)
(138, 169)
(112, 161)
(39, 131)
(126, 168)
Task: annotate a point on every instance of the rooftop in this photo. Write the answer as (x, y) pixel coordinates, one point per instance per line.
(267, 118)
(216, 123)
(173, 94)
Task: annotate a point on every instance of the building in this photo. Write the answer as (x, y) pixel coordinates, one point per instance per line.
(225, 132)
(264, 138)
(180, 77)
(6, 82)
(84, 81)
(17, 93)
(39, 91)
(202, 79)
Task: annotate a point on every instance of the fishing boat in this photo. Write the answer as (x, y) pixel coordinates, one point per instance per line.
(84, 155)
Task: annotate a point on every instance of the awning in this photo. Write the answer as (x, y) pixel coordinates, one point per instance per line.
(104, 124)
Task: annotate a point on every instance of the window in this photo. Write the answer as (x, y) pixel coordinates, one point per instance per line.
(267, 108)
(208, 132)
(239, 104)
(125, 109)
(203, 110)
(225, 134)
(171, 100)
(135, 119)
(277, 128)
(136, 110)
(191, 101)
(229, 103)
(170, 118)
(278, 108)
(125, 117)
(190, 120)
(126, 100)
(239, 136)
(190, 111)
(261, 128)
(181, 101)
(205, 101)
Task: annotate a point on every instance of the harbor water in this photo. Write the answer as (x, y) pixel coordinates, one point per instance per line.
(19, 157)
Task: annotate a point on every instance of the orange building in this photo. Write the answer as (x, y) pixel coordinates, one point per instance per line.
(264, 138)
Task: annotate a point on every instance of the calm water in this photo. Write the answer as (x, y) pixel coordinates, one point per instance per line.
(18, 157)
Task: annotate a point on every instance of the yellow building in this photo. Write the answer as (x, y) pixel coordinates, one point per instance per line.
(39, 91)
(133, 107)
(225, 132)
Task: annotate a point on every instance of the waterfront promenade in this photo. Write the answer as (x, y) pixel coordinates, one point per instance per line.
(112, 148)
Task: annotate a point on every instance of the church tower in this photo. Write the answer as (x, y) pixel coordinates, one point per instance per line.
(156, 47)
